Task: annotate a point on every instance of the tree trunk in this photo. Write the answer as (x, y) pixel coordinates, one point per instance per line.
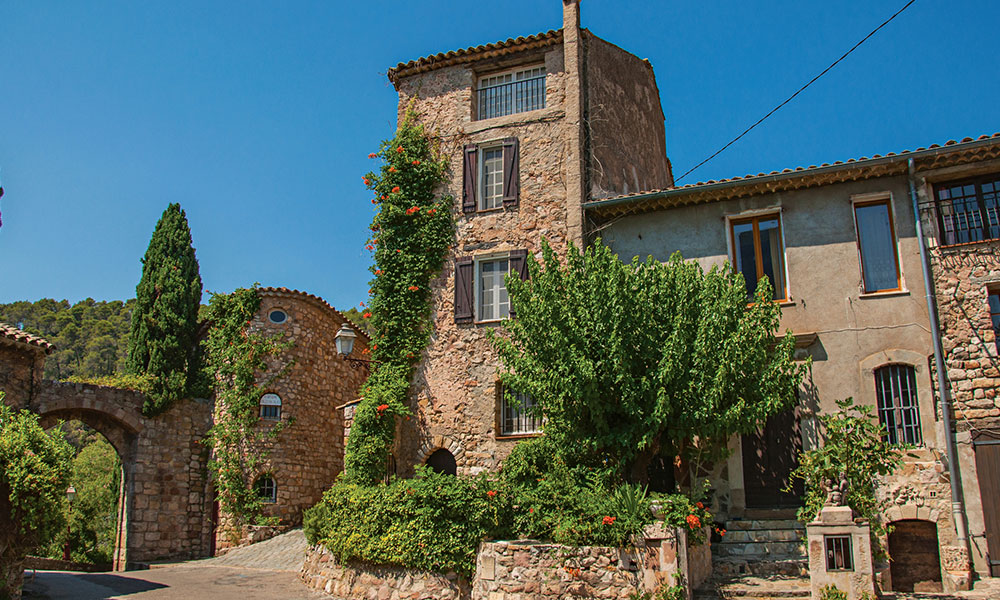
(11, 575)
(640, 466)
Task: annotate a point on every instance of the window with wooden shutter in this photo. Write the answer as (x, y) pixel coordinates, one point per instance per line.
(511, 175)
(470, 170)
(519, 266)
(464, 276)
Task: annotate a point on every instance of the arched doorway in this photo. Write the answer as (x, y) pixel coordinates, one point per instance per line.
(442, 461)
(916, 560)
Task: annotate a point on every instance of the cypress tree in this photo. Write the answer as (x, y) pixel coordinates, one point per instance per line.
(164, 342)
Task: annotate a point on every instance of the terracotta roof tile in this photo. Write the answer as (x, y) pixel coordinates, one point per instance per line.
(9, 332)
(464, 55)
(854, 163)
(277, 291)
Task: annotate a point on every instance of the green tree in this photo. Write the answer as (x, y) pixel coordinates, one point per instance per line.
(854, 447)
(359, 319)
(163, 340)
(34, 473)
(630, 360)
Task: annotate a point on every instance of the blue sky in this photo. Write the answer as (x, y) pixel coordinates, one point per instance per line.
(258, 116)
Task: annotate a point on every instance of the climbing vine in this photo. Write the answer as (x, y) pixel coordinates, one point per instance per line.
(410, 236)
(236, 357)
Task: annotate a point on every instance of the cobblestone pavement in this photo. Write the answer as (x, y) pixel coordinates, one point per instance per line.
(285, 552)
(264, 571)
(985, 589)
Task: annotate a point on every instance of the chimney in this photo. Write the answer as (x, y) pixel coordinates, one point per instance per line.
(571, 18)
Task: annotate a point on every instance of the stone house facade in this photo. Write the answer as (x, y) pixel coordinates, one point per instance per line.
(306, 457)
(532, 127)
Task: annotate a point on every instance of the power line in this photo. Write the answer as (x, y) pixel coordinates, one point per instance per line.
(799, 91)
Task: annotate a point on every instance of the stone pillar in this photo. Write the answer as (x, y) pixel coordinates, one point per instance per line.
(574, 64)
(834, 530)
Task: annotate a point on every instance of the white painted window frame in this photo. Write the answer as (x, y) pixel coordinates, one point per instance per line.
(477, 284)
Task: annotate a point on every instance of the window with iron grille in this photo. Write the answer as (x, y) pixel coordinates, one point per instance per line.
(517, 413)
(270, 407)
(838, 553)
(896, 388)
(511, 92)
(994, 301)
(968, 211)
(267, 489)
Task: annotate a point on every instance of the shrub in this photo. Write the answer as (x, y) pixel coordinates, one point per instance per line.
(432, 522)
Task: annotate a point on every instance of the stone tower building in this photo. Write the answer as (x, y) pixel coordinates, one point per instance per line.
(532, 127)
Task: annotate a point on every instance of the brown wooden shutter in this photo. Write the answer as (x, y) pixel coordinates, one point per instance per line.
(511, 172)
(470, 170)
(464, 277)
(518, 266)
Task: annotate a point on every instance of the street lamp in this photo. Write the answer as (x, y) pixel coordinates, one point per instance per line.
(345, 345)
(70, 496)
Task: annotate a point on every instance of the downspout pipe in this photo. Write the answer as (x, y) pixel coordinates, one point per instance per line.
(957, 508)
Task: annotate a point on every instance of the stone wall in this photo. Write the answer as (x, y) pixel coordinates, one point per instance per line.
(306, 457)
(624, 122)
(322, 572)
(20, 372)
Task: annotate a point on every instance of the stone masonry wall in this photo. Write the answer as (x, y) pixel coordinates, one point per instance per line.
(625, 122)
(455, 383)
(20, 372)
(306, 457)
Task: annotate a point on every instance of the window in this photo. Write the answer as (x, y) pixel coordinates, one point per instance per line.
(758, 251)
(517, 416)
(277, 316)
(968, 210)
(877, 246)
(896, 389)
(511, 92)
(838, 553)
(270, 407)
(480, 290)
(994, 302)
(491, 176)
(266, 489)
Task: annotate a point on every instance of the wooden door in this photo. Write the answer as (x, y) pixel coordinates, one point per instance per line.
(987, 445)
(770, 454)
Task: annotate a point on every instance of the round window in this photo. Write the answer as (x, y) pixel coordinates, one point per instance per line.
(277, 316)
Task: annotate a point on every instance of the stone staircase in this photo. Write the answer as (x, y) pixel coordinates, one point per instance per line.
(759, 558)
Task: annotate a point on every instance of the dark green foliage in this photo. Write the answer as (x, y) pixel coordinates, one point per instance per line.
(91, 337)
(853, 446)
(433, 522)
(34, 474)
(360, 321)
(630, 360)
(164, 331)
(410, 237)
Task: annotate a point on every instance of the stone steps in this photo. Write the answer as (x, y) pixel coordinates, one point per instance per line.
(755, 588)
(762, 548)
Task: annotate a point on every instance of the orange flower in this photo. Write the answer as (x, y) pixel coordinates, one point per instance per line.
(372, 155)
(412, 210)
(416, 162)
(392, 169)
(609, 520)
(370, 247)
(693, 521)
(399, 149)
(700, 505)
(378, 271)
(365, 179)
(382, 408)
(432, 211)
(413, 288)
(367, 315)
(361, 304)
(395, 190)
(491, 493)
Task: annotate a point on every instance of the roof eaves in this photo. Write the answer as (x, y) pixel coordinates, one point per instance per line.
(16, 336)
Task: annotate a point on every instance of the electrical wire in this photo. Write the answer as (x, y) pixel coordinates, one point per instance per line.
(799, 91)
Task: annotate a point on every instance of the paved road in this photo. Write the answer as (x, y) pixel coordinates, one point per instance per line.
(265, 571)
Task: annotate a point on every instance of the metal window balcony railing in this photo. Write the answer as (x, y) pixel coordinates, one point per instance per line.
(511, 98)
(962, 222)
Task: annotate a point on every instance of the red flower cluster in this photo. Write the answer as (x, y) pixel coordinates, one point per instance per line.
(367, 315)
(609, 520)
(372, 155)
(399, 149)
(700, 505)
(720, 531)
(395, 190)
(412, 210)
(392, 169)
(365, 179)
(378, 271)
(370, 247)
(382, 408)
(413, 288)
(491, 493)
(416, 162)
(693, 521)
(432, 211)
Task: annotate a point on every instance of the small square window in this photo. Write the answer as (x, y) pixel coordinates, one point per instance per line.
(838, 553)
(267, 489)
(517, 413)
(270, 407)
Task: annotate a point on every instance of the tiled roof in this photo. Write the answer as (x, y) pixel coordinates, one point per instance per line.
(9, 332)
(454, 57)
(893, 163)
(283, 291)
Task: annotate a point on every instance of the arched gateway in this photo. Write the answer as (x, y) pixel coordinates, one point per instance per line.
(165, 497)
